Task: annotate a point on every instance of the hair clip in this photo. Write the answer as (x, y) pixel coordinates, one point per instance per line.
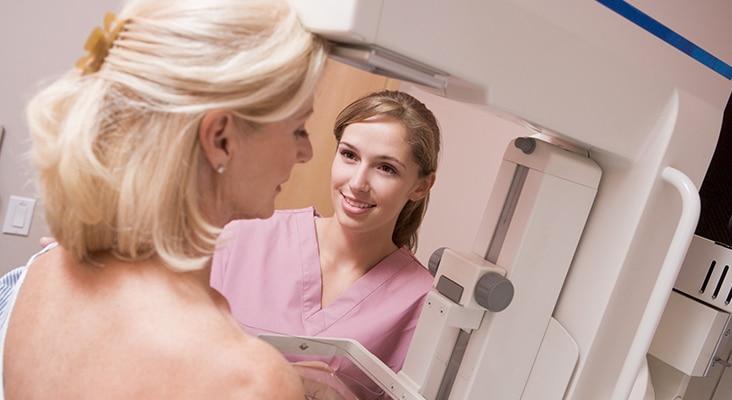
(99, 43)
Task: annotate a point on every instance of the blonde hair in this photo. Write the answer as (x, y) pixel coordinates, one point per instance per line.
(423, 136)
(117, 150)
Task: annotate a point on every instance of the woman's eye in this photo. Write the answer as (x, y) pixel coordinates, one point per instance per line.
(301, 133)
(348, 154)
(388, 169)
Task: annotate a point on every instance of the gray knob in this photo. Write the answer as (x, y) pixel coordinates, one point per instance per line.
(525, 144)
(434, 261)
(494, 292)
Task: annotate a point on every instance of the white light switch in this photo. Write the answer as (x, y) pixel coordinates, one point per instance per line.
(19, 215)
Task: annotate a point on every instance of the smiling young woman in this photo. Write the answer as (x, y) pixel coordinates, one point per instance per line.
(354, 274)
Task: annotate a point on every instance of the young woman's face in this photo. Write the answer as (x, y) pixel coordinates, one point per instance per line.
(374, 175)
(264, 161)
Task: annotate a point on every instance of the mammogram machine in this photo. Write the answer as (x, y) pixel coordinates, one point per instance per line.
(576, 286)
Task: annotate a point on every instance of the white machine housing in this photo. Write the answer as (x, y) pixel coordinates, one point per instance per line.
(639, 85)
(532, 224)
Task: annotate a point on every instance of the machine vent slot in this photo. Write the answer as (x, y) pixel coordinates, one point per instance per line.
(729, 296)
(720, 282)
(709, 275)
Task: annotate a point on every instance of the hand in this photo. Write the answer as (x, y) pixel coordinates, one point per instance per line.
(321, 382)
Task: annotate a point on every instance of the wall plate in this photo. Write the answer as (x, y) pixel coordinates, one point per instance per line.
(19, 215)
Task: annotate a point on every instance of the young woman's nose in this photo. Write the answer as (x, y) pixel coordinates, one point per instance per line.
(359, 181)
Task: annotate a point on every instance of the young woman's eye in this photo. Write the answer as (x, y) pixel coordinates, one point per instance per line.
(347, 154)
(388, 169)
(301, 133)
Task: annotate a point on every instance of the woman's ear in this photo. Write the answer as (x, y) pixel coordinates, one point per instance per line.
(214, 135)
(423, 187)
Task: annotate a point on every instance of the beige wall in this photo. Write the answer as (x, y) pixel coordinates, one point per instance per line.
(309, 184)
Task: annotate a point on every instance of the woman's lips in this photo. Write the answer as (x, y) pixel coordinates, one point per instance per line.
(356, 205)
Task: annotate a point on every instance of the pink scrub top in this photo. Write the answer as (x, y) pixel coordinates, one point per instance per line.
(269, 271)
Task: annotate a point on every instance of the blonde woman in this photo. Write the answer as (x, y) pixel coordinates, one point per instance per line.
(185, 115)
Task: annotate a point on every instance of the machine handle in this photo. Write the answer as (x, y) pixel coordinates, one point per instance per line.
(690, 208)
(722, 362)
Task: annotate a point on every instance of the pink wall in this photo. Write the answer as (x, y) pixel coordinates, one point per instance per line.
(38, 40)
(473, 144)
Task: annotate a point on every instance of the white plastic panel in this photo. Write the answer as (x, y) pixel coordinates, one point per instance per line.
(688, 335)
(554, 365)
(346, 21)
(574, 67)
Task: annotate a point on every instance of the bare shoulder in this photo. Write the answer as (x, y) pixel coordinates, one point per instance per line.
(138, 331)
(253, 369)
(250, 367)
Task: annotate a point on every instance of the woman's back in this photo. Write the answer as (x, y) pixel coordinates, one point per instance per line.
(75, 326)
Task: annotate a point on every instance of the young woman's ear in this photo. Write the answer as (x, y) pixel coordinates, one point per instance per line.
(214, 135)
(423, 187)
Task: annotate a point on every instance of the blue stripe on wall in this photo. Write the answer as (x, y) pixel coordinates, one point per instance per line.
(664, 33)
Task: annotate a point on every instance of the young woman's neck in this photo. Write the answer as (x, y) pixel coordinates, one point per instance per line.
(362, 249)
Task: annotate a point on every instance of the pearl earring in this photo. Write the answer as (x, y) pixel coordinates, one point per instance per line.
(221, 169)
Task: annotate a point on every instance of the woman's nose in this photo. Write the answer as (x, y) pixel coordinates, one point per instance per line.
(304, 150)
(359, 181)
